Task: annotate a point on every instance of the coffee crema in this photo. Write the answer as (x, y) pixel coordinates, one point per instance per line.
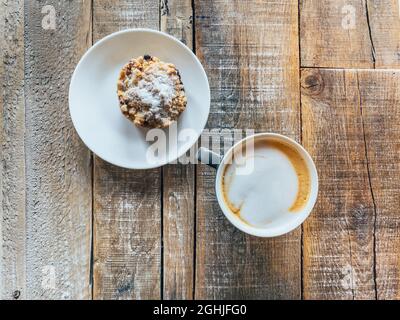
(264, 183)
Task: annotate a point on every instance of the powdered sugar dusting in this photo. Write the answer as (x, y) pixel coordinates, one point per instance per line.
(151, 92)
(155, 88)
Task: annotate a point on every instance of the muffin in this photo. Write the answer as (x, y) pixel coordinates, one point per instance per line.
(150, 92)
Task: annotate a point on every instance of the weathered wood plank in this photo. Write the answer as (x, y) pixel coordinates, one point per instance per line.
(250, 52)
(178, 234)
(178, 183)
(127, 233)
(177, 19)
(113, 15)
(335, 33)
(384, 16)
(12, 151)
(380, 101)
(127, 203)
(58, 166)
(338, 237)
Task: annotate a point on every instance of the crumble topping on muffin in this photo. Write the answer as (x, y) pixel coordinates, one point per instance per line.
(150, 92)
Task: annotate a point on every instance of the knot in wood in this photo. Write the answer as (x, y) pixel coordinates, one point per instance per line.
(312, 83)
(16, 294)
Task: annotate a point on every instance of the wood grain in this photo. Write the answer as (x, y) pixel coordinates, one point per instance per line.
(12, 152)
(380, 100)
(325, 42)
(178, 235)
(250, 53)
(127, 203)
(160, 233)
(338, 237)
(127, 233)
(178, 183)
(384, 16)
(58, 166)
(176, 18)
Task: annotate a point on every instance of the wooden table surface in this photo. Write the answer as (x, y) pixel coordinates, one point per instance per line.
(325, 72)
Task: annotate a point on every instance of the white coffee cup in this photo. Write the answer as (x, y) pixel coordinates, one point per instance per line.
(285, 223)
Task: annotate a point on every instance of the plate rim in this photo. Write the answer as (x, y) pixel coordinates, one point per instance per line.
(180, 44)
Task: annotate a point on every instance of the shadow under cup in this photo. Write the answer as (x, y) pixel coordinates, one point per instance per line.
(272, 174)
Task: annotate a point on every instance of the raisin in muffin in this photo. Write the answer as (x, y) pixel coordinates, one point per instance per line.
(150, 92)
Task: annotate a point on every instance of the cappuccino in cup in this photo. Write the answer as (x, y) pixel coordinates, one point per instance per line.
(264, 183)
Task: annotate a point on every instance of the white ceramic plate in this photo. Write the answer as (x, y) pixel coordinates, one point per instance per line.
(94, 106)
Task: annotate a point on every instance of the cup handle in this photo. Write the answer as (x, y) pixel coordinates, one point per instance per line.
(209, 157)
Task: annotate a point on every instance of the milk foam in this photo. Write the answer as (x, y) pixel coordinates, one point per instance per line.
(266, 192)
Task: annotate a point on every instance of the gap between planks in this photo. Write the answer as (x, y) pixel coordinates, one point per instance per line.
(345, 69)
